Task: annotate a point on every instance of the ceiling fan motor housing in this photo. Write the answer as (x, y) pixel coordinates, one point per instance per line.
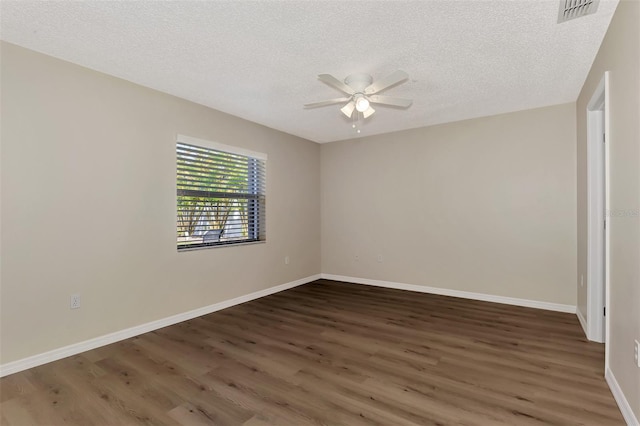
(358, 82)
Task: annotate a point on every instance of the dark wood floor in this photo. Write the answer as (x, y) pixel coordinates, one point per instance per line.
(329, 353)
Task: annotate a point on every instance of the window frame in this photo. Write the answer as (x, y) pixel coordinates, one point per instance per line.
(256, 199)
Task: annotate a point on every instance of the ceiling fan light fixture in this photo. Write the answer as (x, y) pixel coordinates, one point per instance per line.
(362, 103)
(368, 112)
(348, 109)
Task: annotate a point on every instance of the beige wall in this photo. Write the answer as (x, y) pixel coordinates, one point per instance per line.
(88, 206)
(485, 205)
(619, 54)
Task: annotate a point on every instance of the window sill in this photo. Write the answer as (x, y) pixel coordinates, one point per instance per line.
(248, 243)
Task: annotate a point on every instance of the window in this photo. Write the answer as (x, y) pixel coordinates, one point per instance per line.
(221, 194)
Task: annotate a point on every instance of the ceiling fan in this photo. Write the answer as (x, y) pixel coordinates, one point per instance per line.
(362, 92)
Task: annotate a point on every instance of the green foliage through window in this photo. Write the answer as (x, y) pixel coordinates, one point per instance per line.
(220, 197)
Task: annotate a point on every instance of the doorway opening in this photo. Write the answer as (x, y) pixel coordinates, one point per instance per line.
(597, 214)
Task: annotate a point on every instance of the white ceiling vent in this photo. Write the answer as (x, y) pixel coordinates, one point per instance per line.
(571, 9)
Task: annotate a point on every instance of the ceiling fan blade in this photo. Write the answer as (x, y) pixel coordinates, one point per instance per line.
(348, 109)
(385, 83)
(327, 102)
(390, 100)
(334, 82)
(368, 112)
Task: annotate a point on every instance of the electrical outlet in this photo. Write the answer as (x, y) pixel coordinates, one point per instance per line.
(380, 258)
(357, 258)
(636, 352)
(286, 260)
(75, 301)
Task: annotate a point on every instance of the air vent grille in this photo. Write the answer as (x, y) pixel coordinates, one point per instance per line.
(571, 9)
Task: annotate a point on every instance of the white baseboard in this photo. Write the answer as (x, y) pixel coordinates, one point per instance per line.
(76, 348)
(456, 293)
(583, 323)
(621, 400)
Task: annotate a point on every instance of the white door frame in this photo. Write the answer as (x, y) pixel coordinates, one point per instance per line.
(598, 141)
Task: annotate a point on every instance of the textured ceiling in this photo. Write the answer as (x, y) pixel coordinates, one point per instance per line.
(259, 60)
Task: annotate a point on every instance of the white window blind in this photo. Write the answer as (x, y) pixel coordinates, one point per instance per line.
(220, 194)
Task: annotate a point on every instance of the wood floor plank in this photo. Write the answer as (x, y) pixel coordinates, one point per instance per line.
(15, 385)
(330, 353)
